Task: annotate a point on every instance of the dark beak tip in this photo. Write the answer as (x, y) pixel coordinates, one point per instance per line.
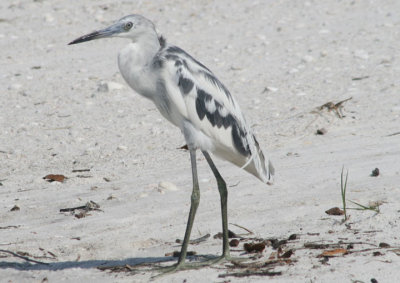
(78, 40)
(87, 37)
(72, 42)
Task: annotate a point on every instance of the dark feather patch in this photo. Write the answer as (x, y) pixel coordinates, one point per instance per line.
(172, 50)
(162, 41)
(172, 57)
(216, 119)
(238, 136)
(202, 98)
(185, 84)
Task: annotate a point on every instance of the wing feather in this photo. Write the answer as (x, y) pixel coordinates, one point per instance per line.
(211, 110)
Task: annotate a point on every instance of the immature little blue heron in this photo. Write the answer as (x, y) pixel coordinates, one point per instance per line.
(189, 96)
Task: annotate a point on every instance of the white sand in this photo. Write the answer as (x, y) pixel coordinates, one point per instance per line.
(54, 118)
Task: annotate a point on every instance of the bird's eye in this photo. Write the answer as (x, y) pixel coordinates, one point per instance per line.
(128, 26)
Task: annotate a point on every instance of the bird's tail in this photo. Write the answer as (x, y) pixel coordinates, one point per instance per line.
(258, 165)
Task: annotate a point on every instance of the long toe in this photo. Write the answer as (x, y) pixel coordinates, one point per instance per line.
(211, 260)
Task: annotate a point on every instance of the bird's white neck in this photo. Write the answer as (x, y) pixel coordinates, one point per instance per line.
(135, 60)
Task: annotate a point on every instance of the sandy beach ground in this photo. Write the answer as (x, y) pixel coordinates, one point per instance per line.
(66, 110)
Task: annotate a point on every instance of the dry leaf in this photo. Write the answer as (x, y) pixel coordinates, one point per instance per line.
(287, 254)
(54, 177)
(332, 253)
(234, 243)
(254, 247)
(15, 208)
(334, 211)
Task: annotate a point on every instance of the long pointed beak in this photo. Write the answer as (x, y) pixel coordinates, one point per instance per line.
(107, 32)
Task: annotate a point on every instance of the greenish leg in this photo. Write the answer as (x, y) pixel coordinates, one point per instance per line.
(223, 192)
(195, 200)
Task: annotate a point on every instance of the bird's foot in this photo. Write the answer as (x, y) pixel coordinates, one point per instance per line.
(196, 265)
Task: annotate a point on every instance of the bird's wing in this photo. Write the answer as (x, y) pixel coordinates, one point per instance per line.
(204, 100)
(199, 99)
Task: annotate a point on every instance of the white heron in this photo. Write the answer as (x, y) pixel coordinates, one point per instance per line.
(192, 98)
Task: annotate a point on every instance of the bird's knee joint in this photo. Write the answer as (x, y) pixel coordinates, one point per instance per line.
(195, 198)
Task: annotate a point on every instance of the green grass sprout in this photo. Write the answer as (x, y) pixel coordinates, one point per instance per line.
(343, 188)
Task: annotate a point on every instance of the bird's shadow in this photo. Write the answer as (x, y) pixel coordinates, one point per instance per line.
(89, 264)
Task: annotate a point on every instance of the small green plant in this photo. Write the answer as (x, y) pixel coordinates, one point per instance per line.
(364, 207)
(343, 187)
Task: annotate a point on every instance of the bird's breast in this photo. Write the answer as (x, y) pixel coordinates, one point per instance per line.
(135, 70)
(145, 80)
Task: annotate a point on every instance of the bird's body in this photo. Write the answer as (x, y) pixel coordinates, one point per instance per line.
(188, 95)
(192, 98)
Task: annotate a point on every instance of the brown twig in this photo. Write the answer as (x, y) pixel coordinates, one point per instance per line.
(313, 245)
(251, 273)
(80, 170)
(9, 226)
(234, 185)
(23, 257)
(260, 264)
(250, 232)
(195, 241)
(320, 246)
(90, 205)
(359, 78)
(394, 134)
(372, 249)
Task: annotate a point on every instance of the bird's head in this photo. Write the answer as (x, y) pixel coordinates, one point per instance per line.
(132, 27)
